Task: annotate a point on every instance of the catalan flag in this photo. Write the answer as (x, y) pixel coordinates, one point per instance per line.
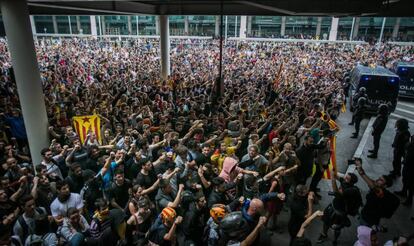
(84, 124)
(333, 126)
(343, 108)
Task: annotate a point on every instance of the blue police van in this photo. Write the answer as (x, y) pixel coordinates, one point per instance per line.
(406, 72)
(381, 85)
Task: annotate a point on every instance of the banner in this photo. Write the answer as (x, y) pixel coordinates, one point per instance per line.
(84, 124)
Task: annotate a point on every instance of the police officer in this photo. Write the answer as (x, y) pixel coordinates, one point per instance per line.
(362, 92)
(378, 128)
(402, 137)
(359, 115)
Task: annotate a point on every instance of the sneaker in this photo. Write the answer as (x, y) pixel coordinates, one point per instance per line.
(354, 135)
(379, 228)
(322, 238)
(350, 123)
(371, 151)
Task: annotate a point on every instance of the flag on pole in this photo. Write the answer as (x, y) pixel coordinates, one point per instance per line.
(276, 82)
(84, 124)
(343, 108)
(332, 145)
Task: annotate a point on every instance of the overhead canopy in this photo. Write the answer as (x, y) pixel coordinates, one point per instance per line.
(230, 7)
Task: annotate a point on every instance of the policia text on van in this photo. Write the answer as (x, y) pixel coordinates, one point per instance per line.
(405, 70)
(381, 85)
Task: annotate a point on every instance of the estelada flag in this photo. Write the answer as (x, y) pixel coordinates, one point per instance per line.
(84, 124)
(278, 78)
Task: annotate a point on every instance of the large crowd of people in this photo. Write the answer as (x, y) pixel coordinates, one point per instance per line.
(176, 165)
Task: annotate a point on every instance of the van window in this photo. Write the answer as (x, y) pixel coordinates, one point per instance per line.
(406, 72)
(380, 87)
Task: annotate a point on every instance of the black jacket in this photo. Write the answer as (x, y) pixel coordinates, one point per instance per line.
(306, 155)
(379, 124)
(193, 224)
(400, 140)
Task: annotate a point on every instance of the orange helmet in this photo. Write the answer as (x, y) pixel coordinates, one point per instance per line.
(218, 213)
(168, 214)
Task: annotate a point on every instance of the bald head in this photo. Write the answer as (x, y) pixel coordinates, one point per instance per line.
(256, 207)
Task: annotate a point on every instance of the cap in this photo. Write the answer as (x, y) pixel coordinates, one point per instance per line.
(217, 213)
(168, 214)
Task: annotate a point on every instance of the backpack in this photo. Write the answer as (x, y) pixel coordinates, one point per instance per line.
(24, 225)
(36, 241)
(353, 201)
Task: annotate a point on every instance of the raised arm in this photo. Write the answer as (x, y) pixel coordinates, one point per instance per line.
(307, 222)
(253, 235)
(177, 200)
(368, 180)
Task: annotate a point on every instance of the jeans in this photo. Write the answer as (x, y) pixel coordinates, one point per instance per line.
(77, 239)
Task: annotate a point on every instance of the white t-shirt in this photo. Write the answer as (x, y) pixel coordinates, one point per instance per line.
(59, 208)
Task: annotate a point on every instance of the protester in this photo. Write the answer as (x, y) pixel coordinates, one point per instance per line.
(168, 151)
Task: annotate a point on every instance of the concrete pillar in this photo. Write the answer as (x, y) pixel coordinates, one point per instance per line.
(396, 28)
(129, 25)
(55, 26)
(78, 24)
(217, 26)
(186, 24)
(382, 30)
(70, 25)
(29, 86)
(33, 24)
(243, 26)
(283, 26)
(93, 26)
(333, 34)
(319, 27)
(157, 25)
(103, 25)
(249, 25)
(136, 19)
(165, 46)
(356, 27)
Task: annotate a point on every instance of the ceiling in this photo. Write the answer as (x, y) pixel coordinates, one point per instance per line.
(227, 7)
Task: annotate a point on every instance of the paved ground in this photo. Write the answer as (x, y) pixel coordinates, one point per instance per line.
(400, 223)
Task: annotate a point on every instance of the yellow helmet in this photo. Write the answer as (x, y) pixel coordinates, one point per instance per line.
(218, 213)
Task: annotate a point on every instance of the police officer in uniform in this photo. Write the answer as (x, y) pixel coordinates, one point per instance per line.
(359, 115)
(362, 92)
(378, 128)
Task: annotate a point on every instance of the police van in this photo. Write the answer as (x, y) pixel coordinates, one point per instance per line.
(381, 85)
(406, 72)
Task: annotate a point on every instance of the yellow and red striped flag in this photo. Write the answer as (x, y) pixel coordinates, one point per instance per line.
(343, 108)
(84, 124)
(278, 78)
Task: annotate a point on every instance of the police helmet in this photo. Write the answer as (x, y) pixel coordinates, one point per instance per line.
(234, 225)
(362, 89)
(383, 109)
(362, 101)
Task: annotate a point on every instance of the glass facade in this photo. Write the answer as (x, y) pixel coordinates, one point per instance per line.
(364, 28)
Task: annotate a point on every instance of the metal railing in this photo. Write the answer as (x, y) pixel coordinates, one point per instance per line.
(120, 37)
